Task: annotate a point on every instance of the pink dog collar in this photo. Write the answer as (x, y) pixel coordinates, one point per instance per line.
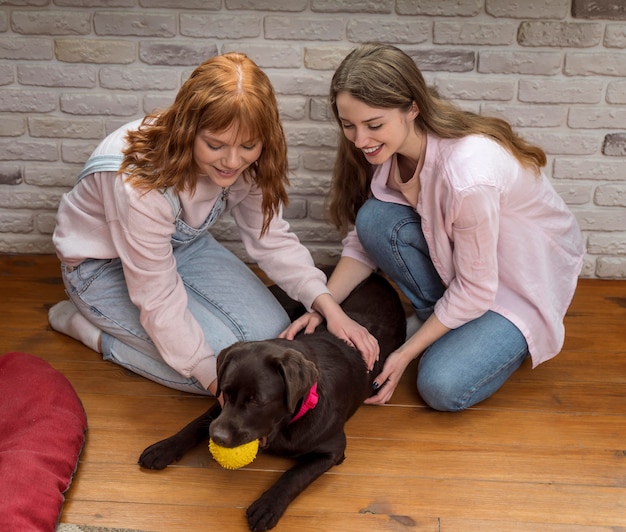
(309, 403)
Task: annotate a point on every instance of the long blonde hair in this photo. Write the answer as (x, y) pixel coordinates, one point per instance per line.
(224, 90)
(383, 76)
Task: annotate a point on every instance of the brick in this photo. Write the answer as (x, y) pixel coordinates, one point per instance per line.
(45, 223)
(269, 55)
(51, 22)
(304, 28)
(606, 9)
(95, 51)
(9, 175)
(4, 21)
(267, 5)
(573, 193)
(16, 222)
(134, 23)
(315, 84)
(389, 31)
(58, 75)
(6, 74)
(31, 198)
(220, 26)
(611, 195)
(94, 3)
(20, 243)
(596, 118)
(593, 169)
(615, 36)
(311, 184)
(557, 9)
(51, 175)
(526, 115)
(77, 152)
(26, 48)
(325, 57)
(559, 34)
(292, 107)
(317, 209)
(137, 79)
(559, 143)
(603, 64)
(100, 104)
(464, 88)
(176, 53)
(56, 127)
(319, 109)
(616, 92)
(615, 145)
(315, 136)
(24, 101)
(28, 150)
(319, 160)
(297, 209)
(438, 60)
(12, 126)
(474, 33)
(513, 62)
(440, 8)
(611, 267)
(560, 91)
(204, 5)
(601, 220)
(607, 244)
(352, 6)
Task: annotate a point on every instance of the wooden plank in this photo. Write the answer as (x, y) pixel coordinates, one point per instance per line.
(418, 496)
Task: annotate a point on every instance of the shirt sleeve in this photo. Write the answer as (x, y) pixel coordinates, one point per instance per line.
(142, 225)
(474, 235)
(279, 253)
(353, 248)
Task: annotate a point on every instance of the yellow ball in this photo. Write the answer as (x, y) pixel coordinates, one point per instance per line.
(235, 457)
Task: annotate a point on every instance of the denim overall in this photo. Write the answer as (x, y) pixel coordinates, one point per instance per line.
(224, 296)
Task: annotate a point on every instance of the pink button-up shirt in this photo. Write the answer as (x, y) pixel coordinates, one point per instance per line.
(500, 237)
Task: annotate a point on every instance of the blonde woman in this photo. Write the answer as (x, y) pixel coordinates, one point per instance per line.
(148, 285)
(454, 208)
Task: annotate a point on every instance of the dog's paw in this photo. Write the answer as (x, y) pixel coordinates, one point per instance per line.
(265, 512)
(159, 455)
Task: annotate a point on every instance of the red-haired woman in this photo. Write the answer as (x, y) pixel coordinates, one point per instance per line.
(149, 287)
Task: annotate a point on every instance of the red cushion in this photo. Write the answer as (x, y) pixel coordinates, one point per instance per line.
(42, 433)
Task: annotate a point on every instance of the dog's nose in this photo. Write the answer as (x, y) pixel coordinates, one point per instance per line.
(221, 437)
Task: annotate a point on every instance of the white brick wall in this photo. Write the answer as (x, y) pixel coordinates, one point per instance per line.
(71, 71)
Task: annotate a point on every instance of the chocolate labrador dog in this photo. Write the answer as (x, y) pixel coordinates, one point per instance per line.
(294, 396)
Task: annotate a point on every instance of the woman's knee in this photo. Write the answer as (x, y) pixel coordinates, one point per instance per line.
(441, 390)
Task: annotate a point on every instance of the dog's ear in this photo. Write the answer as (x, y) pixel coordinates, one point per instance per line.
(298, 373)
(223, 359)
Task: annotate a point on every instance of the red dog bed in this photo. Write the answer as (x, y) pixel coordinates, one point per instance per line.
(42, 433)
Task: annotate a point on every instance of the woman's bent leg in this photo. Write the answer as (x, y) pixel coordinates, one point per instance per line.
(392, 236)
(228, 300)
(469, 364)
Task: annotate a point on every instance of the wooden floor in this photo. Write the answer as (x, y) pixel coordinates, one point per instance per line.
(546, 453)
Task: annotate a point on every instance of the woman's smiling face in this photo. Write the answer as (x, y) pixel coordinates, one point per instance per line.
(377, 132)
(223, 156)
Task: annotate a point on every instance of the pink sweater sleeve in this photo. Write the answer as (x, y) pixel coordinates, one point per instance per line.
(141, 227)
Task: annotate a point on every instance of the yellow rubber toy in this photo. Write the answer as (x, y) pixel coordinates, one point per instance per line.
(237, 456)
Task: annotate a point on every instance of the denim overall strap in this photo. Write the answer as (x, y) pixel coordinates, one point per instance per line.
(100, 163)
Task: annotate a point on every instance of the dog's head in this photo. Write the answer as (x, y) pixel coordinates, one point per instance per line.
(262, 384)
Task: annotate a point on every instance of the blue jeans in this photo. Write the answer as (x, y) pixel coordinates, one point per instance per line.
(467, 364)
(226, 298)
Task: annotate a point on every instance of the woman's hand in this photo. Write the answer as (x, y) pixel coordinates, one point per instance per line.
(307, 322)
(389, 377)
(357, 336)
